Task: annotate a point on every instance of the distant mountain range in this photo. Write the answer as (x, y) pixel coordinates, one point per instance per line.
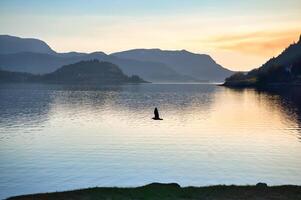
(198, 66)
(10, 44)
(85, 73)
(285, 69)
(35, 56)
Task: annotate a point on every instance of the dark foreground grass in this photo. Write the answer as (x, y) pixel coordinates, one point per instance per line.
(174, 191)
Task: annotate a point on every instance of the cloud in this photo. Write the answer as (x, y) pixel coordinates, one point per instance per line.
(267, 43)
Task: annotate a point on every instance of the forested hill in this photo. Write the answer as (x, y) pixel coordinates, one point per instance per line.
(84, 72)
(283, 69)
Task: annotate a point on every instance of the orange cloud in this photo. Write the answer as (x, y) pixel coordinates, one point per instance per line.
(264, 43)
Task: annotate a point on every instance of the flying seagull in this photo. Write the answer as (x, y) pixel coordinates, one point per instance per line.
(156, 112)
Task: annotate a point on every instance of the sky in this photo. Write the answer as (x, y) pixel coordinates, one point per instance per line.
(240, 35)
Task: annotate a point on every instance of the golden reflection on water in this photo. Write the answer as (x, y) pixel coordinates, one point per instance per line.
(220, 112)
(88, 137)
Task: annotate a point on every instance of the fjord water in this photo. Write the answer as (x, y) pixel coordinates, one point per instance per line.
(55, 138)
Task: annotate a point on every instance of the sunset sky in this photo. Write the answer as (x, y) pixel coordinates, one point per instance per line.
(240, 35)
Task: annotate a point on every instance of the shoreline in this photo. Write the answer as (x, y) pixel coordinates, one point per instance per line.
(174, 191)
(239, 84)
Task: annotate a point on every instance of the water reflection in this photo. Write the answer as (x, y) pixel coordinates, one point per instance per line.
(52, 135)
(289, 101)
(133, 105)
(283, 104)
(32, 107)
(24, 107)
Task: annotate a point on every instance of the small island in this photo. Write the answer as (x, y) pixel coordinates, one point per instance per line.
(284, 70)
(84, 72)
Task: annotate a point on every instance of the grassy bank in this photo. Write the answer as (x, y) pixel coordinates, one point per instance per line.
(174, 191)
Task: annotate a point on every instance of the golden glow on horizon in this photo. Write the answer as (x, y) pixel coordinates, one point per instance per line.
(236, 38)
(253, 48)
(258, 43)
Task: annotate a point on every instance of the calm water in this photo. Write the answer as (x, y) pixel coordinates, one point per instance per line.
(55, 138)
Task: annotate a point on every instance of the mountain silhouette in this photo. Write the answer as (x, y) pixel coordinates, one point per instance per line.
(35, 56)
(11, 44)
(283, 69)
(199, 66)
(85, 72)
